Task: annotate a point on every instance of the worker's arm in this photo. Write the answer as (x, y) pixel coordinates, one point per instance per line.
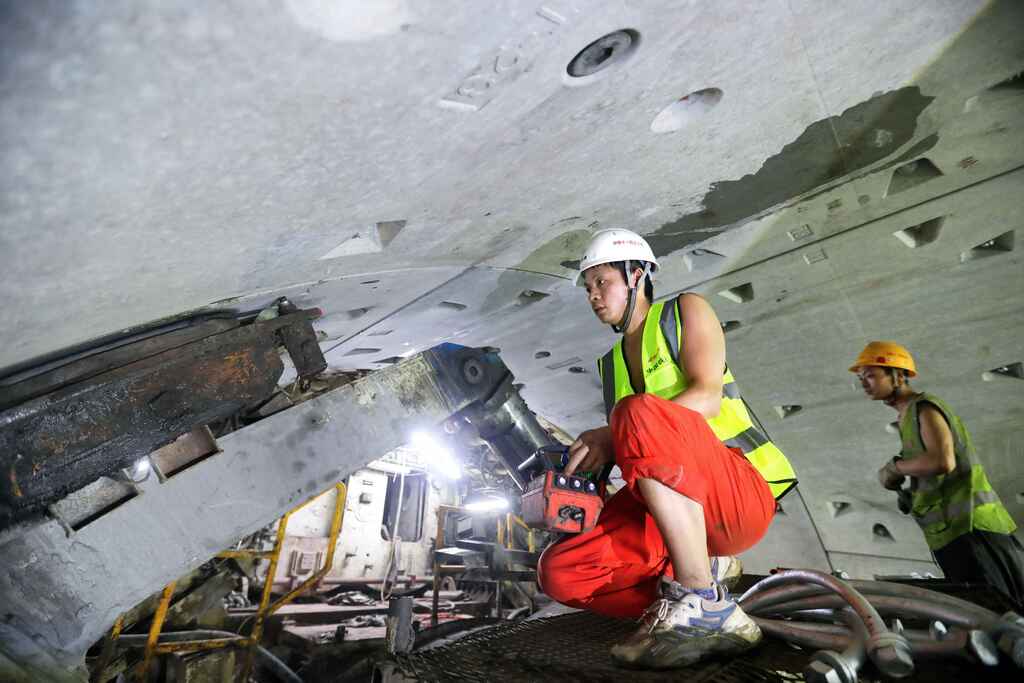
(702, 355)
(939, 456)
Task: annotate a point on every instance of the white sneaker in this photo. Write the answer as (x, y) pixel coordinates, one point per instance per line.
(726, 570)
(680, 632)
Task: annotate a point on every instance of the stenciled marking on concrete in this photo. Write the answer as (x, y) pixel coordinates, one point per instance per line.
(509, 61)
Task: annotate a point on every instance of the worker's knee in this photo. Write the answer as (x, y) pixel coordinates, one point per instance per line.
(632, 409)
(647, 413)
(549, 570)
(558, 576)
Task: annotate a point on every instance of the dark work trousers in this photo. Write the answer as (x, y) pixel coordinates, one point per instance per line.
(985, 557)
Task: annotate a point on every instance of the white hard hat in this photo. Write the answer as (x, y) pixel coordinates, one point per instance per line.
(616, 244)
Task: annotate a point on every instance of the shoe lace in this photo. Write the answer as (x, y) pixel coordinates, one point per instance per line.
(656, 613)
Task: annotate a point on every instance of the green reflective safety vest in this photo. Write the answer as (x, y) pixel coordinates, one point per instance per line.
(950, 505)
(662, 339)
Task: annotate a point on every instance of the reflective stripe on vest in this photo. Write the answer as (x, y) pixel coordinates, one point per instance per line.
(957, 510)
(747, 440)
(664, 377)
(950, 505)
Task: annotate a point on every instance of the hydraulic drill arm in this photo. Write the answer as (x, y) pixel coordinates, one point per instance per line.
(67, 586)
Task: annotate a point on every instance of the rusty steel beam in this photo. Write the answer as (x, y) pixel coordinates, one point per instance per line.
(61, 441)
(49, 373)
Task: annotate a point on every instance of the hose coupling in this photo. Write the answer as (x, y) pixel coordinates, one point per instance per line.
(829, 666)
(891, 654)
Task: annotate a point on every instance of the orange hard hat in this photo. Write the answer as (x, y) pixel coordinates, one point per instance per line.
(886, 354)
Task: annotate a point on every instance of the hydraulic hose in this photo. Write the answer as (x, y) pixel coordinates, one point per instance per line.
(889, 651)
(849, 596)
(857, 649)
(279, 668)
(978, 615)
(810, 615)
(799, 633)
(882, 604)
(840, 639)
(898, 590)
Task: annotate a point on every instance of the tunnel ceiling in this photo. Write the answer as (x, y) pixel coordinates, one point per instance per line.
(825, 173)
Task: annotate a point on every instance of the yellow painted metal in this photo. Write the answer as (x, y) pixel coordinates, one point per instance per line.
(153, 647)
(268, 585)
(265, 608)
(332, 544)
(529, 531)
(116, 630)
(519, 520)
(155, 628)
(511, 518)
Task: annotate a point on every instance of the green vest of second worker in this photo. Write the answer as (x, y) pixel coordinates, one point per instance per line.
(663, 377)
(950, 505)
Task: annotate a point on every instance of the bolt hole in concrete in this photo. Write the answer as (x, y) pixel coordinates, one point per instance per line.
(1012, 370)
(838, 507)
(788, 410)
(739, 294)
(993, 247)
(613, 48)
(686, 110)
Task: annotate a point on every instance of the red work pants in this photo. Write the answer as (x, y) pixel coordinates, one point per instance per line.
(614, 568)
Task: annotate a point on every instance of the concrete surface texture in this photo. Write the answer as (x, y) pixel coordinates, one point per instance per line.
(430, 171)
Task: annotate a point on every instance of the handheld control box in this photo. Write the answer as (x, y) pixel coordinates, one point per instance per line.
(554, 501)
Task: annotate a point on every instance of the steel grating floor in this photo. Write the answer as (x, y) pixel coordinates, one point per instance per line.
(574, 647)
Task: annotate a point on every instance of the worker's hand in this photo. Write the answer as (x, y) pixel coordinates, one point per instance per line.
(591, 451)
(889, 478)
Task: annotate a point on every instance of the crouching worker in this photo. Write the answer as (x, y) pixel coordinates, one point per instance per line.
(701, 480)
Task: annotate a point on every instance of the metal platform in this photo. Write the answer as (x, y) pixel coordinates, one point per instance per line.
(574, 647)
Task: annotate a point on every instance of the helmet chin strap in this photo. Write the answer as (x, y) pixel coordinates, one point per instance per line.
(631, 301)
